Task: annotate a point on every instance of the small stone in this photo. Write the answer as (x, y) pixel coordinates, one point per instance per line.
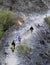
(49, 51)
(42, 42)
(38, 63)
(5, 63)
(47, 32)
(5, 53)
(48, 37)
(0, 63)
(48, 41)
(44, 55)
(31, 52)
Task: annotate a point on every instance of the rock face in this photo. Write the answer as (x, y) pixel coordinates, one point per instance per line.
(27, 6)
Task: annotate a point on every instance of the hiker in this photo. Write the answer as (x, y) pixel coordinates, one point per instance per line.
(31, 29)
(13, 46)
(19, 38)
(13, 43)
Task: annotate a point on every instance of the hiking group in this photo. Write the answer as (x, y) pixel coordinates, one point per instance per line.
(19, 40)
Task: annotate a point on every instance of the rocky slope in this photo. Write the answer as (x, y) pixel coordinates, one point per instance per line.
(47, 2)
(27, 6)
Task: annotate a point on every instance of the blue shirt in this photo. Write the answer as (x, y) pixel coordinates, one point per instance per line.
(19, 38)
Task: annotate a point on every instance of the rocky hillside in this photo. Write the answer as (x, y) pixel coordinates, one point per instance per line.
(47, 2)
(27, 6)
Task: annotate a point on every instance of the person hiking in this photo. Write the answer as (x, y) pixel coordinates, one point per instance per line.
(31, 29)
(19, 38)
(13, 43)
(13, 46)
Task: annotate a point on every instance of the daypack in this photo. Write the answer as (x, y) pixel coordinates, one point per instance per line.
(12, 48)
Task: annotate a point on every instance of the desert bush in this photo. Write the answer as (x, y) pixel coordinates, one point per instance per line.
(47, 19)
(23, 49)
(6, 19)
(43, 55)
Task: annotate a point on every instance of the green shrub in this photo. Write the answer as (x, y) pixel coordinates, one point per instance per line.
(23, 49)
(1, 33)
(42, 42)
(1, 30)
(47, 19)
(6, 19)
